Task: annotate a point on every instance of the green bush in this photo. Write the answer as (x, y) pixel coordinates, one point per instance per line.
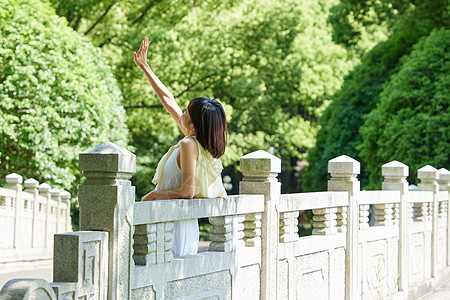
(411, 124)
(58, 95)
(340, 123)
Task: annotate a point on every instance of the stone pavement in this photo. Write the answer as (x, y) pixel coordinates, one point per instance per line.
(44, 272)
(441, 293)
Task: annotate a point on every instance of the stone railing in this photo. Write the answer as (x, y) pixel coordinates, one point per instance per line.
(124, 250)
(28, 220)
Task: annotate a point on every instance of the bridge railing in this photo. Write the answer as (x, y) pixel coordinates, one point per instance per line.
(124, 251)
(28, 220)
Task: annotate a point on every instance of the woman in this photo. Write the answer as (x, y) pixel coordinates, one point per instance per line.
(191, 168)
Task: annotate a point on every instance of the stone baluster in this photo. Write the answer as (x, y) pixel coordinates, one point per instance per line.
(56, 210)
(14, 182)
(168, 241)
(324, 221)
(395, 174)
(252, 230)
(443, 179)
(65, 197)
(341, 219)
(420, 212)
(144, 244)
(289, 226)
(239, 231)
(106, 204)
(31, 186)
(221, 234)
(383, 214)
(444, 186)
(364, 216)
(344, 171)
(260, 170)
(428, 176)
(395, 213)
(442, 209)
(44, 191)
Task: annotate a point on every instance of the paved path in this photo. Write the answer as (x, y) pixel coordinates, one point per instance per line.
(40, 272)
(441, 293)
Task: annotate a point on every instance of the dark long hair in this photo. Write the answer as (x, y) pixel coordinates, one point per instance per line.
(210, 124)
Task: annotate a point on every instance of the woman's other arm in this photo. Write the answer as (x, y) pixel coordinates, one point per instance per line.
(164, 95)
(188, 164)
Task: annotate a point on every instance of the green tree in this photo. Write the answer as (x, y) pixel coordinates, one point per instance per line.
(58, 95)
(271, 63)
(340, 123)
(411, 123)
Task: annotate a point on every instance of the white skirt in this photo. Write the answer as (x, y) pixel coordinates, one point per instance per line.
(185, 237)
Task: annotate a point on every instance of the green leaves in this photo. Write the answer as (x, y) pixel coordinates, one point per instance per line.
(58, 96)
(273, 63)
(361, 90)
(414, 109)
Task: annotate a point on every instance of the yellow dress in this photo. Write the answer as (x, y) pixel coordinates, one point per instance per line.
(208, 184)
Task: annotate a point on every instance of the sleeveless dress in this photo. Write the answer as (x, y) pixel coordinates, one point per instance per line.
(208, 184)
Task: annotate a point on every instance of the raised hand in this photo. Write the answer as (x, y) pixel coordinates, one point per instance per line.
(140, 58)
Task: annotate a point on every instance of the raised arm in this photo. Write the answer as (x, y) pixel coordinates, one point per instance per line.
(164, 95)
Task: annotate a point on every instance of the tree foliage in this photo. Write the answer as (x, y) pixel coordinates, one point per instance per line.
(58, 95)
(339, 133)
(271, 63)
(411, 123)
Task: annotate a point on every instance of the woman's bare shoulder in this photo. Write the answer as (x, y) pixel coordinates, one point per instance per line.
(189, 143)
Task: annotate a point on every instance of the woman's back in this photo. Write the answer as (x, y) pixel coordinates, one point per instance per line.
(208, 184)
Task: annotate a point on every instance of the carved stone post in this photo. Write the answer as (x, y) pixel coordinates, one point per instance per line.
(343, 171)
(428, 176)
(14, 182)
(31, 186)
(444, 186)
(395, 174)
(260, 170)
(106, 204)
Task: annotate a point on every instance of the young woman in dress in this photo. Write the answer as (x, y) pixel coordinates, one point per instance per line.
(192, 167)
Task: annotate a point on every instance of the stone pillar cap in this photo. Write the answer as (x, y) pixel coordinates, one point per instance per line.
(427, 172)
(64, 195)
(443, 174)
(55, 192)
(260, 162)
(343, 165)
(107, 157)
(31, 183)
(14, 178)
(44, 188)
(395, 169)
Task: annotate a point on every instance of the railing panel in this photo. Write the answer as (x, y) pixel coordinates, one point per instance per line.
(419, 196)
(317, 200)
(378, 197)
(148, 212)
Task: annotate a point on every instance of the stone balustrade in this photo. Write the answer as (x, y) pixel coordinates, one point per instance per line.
(124, 248)
(28, 220)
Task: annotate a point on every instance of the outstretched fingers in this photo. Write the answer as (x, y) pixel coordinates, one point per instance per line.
(140, 57)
